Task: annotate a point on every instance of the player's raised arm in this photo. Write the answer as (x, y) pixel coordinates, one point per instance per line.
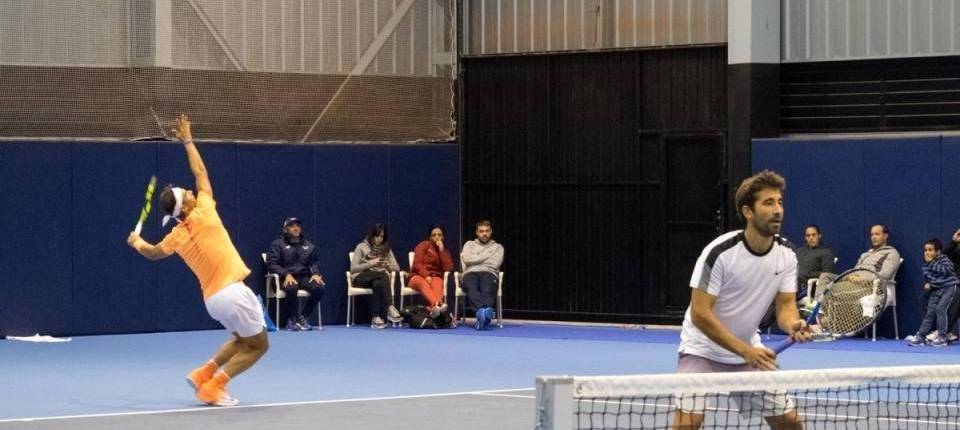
(193, 155)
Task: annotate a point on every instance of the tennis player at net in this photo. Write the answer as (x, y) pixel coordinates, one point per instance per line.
(204, 244)
(735, 279)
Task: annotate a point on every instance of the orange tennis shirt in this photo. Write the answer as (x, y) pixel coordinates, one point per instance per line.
(204, 244)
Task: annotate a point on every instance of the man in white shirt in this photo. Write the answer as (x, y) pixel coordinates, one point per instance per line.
(734, 281)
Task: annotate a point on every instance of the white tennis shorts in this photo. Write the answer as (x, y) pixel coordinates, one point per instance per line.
(237, 309)
(765, 403)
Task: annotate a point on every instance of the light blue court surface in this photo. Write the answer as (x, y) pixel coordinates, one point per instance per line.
(140, 373)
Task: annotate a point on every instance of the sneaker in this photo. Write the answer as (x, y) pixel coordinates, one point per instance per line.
(478, 317)
(933, 335)
(939, 341)
(393, 315)
(483, 318)
(292, 325)
(487, 318)
(377, 323)
(951, 337)
(199, 376)
(214, 396)
(435, 312)
(914, 340)
(226, 401)
(223, 401)
(304, 325)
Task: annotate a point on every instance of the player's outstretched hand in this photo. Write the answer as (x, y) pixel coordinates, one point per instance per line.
(761, 357)
(183, 129)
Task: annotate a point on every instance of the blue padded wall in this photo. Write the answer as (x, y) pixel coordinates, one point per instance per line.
(276, 181)
(950, 187)
(428, 199)
(845, 186)
(69, 208)
(111, 283)
(36, 253)
(352, 185)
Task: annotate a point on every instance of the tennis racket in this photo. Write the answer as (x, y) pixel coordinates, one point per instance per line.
(151, 186)
(846, 306)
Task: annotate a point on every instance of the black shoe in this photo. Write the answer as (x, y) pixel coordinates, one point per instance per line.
(304, 325)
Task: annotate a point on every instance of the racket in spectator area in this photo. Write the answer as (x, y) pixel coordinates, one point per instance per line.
(849, 304)
(151, 186)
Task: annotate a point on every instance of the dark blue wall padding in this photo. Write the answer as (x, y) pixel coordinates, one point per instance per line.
(428, 198)
(773, 152)
(36, 252)
(845, 186)
(904, 193)
(950, 187)
(68, 208)
(275, 182)
(111, 283)
(835, 170)
(352, 185)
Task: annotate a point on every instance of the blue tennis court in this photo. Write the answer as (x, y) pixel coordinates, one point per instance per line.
(356, 377)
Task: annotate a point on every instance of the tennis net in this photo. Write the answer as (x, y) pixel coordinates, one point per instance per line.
(915, 397)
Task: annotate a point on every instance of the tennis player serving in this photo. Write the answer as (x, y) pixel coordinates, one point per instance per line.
(734, 281)
(204, 244)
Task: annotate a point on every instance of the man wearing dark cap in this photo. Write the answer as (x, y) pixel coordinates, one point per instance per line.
(294, 258)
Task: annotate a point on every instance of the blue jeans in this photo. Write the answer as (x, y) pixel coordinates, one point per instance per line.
(937, 304)
(481, 289)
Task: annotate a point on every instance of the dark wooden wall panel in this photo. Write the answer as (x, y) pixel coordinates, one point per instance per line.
(568, 156)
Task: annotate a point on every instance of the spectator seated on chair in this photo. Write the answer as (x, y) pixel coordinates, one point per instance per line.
(940, 280)
(813, 259)
(431, 259)
(881, 257)
(372, 261)
(481, 259)
(294, 258)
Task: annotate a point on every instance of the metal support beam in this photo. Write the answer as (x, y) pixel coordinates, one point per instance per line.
(364, 61)
(216, 35)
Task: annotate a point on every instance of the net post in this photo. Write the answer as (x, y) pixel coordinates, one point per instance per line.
(554, 404)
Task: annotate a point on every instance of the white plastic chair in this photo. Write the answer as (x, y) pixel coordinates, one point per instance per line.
(812, 283)
(407, 291)
(891, 286)
(353, 292)
(277, 294)
(458, 292)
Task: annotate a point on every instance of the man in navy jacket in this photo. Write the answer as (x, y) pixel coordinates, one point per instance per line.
(294, 258)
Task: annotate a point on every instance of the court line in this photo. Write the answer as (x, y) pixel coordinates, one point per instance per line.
(260, 405)
(491, 394)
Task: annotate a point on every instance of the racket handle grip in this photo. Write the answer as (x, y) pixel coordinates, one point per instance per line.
(782, 345)
(138, 228)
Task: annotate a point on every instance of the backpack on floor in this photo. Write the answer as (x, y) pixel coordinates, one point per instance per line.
(417, 317)
(445, 320)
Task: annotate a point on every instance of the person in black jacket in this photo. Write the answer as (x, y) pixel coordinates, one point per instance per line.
(294, 258)
(952, 251)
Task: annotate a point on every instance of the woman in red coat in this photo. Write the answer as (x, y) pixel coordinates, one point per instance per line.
(430, 259)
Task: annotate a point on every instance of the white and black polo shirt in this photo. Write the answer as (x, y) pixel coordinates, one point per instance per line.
(745, 284)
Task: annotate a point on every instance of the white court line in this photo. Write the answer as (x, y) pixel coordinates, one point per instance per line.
(260, 405)
(504, 395)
